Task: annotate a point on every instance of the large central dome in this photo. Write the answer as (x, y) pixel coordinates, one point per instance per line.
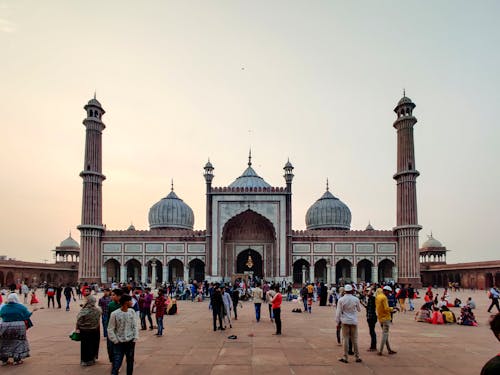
(328, 212)
(171, 212)
(249, 178)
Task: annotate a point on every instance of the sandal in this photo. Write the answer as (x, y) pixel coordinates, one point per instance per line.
(343, 360)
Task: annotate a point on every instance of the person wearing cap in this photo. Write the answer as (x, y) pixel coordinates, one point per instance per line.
(348, 307)
(384, 316)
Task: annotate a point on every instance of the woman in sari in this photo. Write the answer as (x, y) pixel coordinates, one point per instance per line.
(13, 341)
(87, 324)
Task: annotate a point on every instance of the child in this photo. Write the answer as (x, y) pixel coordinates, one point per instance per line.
(34, 299)
(309, 303)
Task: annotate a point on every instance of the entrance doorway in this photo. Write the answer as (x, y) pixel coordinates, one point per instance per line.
(249, 261)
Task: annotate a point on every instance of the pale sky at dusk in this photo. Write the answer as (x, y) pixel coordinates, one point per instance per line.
(314, 81)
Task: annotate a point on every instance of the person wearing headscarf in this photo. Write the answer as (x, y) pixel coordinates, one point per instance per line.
(87, 324)
(13, 341)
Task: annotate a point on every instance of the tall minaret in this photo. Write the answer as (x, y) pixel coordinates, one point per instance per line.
(209, 176)
(91, 228)
(407, 227)
(288, 168)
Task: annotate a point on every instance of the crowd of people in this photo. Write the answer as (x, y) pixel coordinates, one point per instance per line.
(127, 308)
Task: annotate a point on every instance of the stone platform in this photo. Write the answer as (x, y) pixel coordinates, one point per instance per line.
(307, 346)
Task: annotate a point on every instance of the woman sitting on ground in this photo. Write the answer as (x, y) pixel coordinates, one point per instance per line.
(437, 317)
(448, 315)
(423, 315)
(467, 317)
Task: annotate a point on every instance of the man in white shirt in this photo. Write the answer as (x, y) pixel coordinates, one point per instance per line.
(123, 331)
(348, 307)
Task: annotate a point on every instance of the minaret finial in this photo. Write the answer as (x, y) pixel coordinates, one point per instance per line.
(327, 185)
(95, 94)
(70, 232)
(172, 185)
(404, 92)
(250, 158)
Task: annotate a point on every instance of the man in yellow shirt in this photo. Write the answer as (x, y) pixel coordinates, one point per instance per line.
(384, 316)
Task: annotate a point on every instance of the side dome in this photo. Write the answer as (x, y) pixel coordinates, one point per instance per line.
(431, 243)
(328, 212)
(171, 212)
(69, 242)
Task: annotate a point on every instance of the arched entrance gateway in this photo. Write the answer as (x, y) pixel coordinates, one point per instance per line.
(112, 270)
(300, 268)
(343, 271)
(249, 246)
(197, 270)
(385, 270)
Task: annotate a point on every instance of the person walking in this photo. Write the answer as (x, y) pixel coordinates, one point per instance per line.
(384, 315)
(13, 340)
(104, 305)
(402, 295)
(276, 305)
(145, 301)
(113, 305)
(50, 292)
(371, 318)
(494, 295)
(269, 297)
(87, 324)
(25, 291)
(235, 296)
(123, 331)
(59, 290)
(217, 307)
(347, 314)
(68, 294)
(257, 295)
(228, 306)
(159, 310)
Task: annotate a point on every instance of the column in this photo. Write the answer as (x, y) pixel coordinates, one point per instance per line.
(153, 274)
(104, 276)
(164, 271)
(186, 273)
(123, 274)
(303, 274)
(311, 273)
(374, 274)
(354, 274)
(144, 273)
(328, 274)
(395, 274)
(334, 277)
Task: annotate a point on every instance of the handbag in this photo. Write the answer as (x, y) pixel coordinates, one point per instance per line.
(28, 323)
(75, 336)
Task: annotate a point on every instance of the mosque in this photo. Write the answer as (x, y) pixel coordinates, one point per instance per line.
(249, 228)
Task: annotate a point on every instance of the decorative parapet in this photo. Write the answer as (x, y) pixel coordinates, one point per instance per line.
(227, 189)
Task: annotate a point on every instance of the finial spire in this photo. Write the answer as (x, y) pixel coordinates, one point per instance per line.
(172, 185)
(404, 92)
(327, 185)
(250, 158)
(95, 94)
(70, 232)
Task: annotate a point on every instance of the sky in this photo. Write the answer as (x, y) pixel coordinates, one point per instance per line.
(184, 81)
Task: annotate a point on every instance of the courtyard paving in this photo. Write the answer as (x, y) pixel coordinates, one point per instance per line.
(307, 346)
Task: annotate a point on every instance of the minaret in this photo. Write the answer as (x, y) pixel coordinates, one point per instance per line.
(288, 168)
(407, 227)
(91, 228)
(209, 176)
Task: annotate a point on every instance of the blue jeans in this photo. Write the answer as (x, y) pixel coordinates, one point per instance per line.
(257, 311)
(105, 325)
(68, 300)
(159, 323)
(120, 350)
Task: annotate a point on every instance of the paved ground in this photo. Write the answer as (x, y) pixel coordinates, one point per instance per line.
(307, 346)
